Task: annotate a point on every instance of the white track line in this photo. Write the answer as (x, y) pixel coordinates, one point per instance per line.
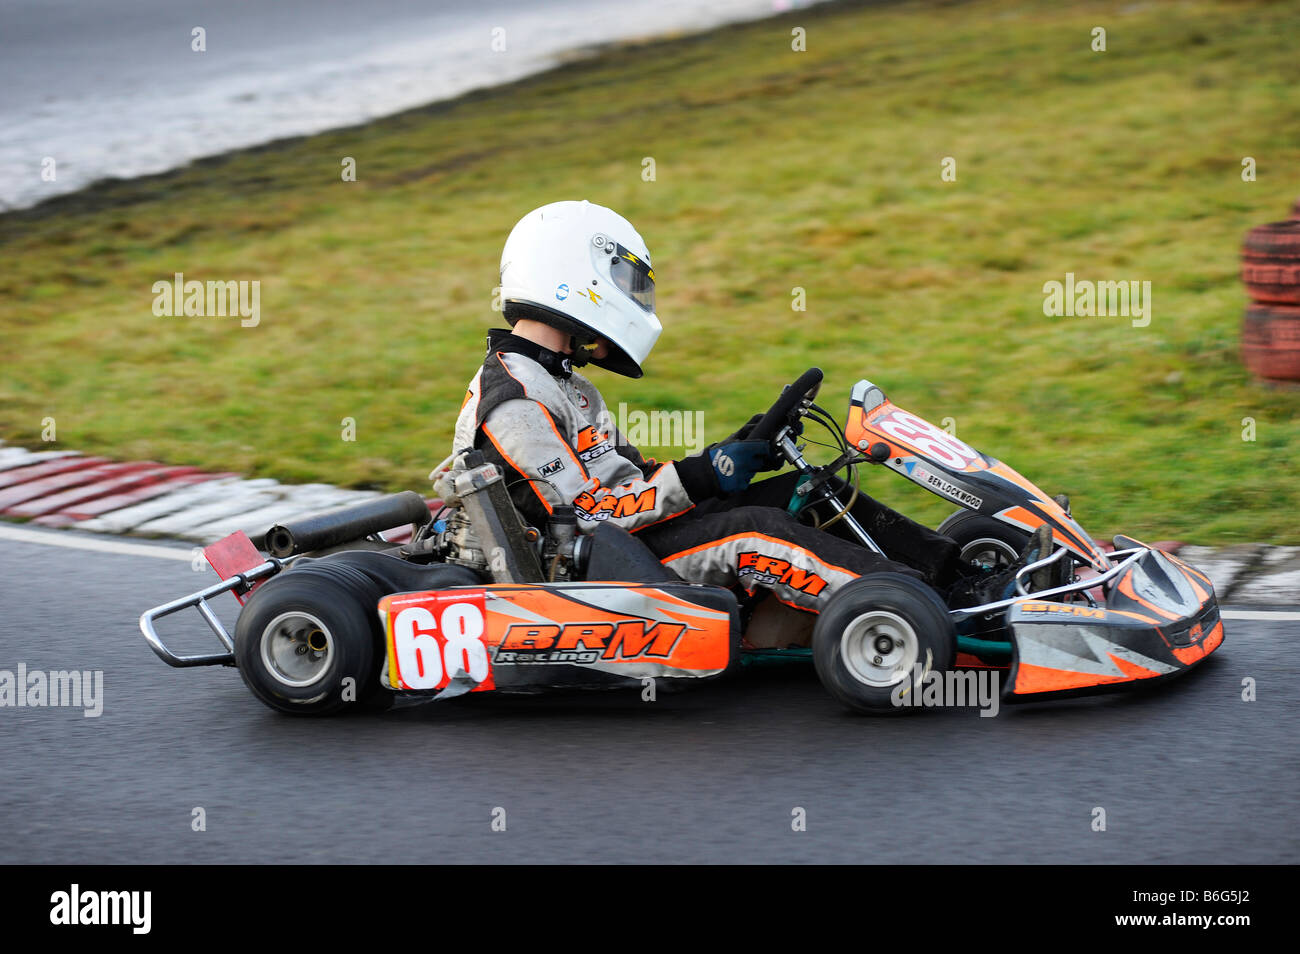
(1260, 614)
(55, 538)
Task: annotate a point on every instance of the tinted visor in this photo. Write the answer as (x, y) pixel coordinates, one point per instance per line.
(632, 276)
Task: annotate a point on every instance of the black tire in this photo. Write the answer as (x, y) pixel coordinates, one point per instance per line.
(979, 537)
(324, 605)
(994, 544)
(847, 652)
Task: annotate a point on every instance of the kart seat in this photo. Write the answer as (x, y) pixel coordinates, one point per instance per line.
(611, 553)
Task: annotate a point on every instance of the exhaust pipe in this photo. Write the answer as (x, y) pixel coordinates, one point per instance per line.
(343, 526)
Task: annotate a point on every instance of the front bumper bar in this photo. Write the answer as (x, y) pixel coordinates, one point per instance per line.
(238, 584)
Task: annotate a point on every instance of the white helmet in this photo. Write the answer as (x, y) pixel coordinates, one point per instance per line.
(584, 269)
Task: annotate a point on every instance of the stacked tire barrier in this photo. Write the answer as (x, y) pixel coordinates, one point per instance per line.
(1270, 270)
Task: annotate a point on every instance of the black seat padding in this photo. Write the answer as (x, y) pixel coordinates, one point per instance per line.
(614, 554)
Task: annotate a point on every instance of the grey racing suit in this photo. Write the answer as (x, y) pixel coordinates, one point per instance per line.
(556, 442)
(549, 430)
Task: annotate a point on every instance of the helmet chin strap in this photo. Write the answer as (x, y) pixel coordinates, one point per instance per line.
(581, 352)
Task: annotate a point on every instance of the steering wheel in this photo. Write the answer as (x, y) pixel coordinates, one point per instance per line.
(789, 407)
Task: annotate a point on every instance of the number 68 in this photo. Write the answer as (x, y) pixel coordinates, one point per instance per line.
(422, 662)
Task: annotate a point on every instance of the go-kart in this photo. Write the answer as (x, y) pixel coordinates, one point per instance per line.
(478, 601)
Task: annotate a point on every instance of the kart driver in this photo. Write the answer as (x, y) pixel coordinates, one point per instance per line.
(577, 287)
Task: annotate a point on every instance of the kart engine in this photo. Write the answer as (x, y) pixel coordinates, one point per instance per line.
(486, 532)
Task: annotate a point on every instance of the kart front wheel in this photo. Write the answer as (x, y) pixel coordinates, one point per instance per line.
(994, 545)
(304, 644)
(983, 540)
(877, 634)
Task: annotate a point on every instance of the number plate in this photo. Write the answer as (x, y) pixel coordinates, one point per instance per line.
(929, 441)
(434, 636)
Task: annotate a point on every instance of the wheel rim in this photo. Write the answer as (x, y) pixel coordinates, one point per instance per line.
(989, 552)
(879, 648)
(297, 649)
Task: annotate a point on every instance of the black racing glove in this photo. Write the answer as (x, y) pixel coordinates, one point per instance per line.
(726, 467)
(736, 462)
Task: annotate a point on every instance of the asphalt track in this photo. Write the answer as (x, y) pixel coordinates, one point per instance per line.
(1186, 773)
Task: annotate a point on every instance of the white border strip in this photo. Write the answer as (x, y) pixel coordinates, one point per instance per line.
(56, 538)
(1260, 614)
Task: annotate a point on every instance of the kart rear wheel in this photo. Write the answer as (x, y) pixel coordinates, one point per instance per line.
(307, 644)
(877, 633)
(984, 541)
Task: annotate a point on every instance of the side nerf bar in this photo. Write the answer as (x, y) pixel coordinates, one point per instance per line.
(239, 583)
